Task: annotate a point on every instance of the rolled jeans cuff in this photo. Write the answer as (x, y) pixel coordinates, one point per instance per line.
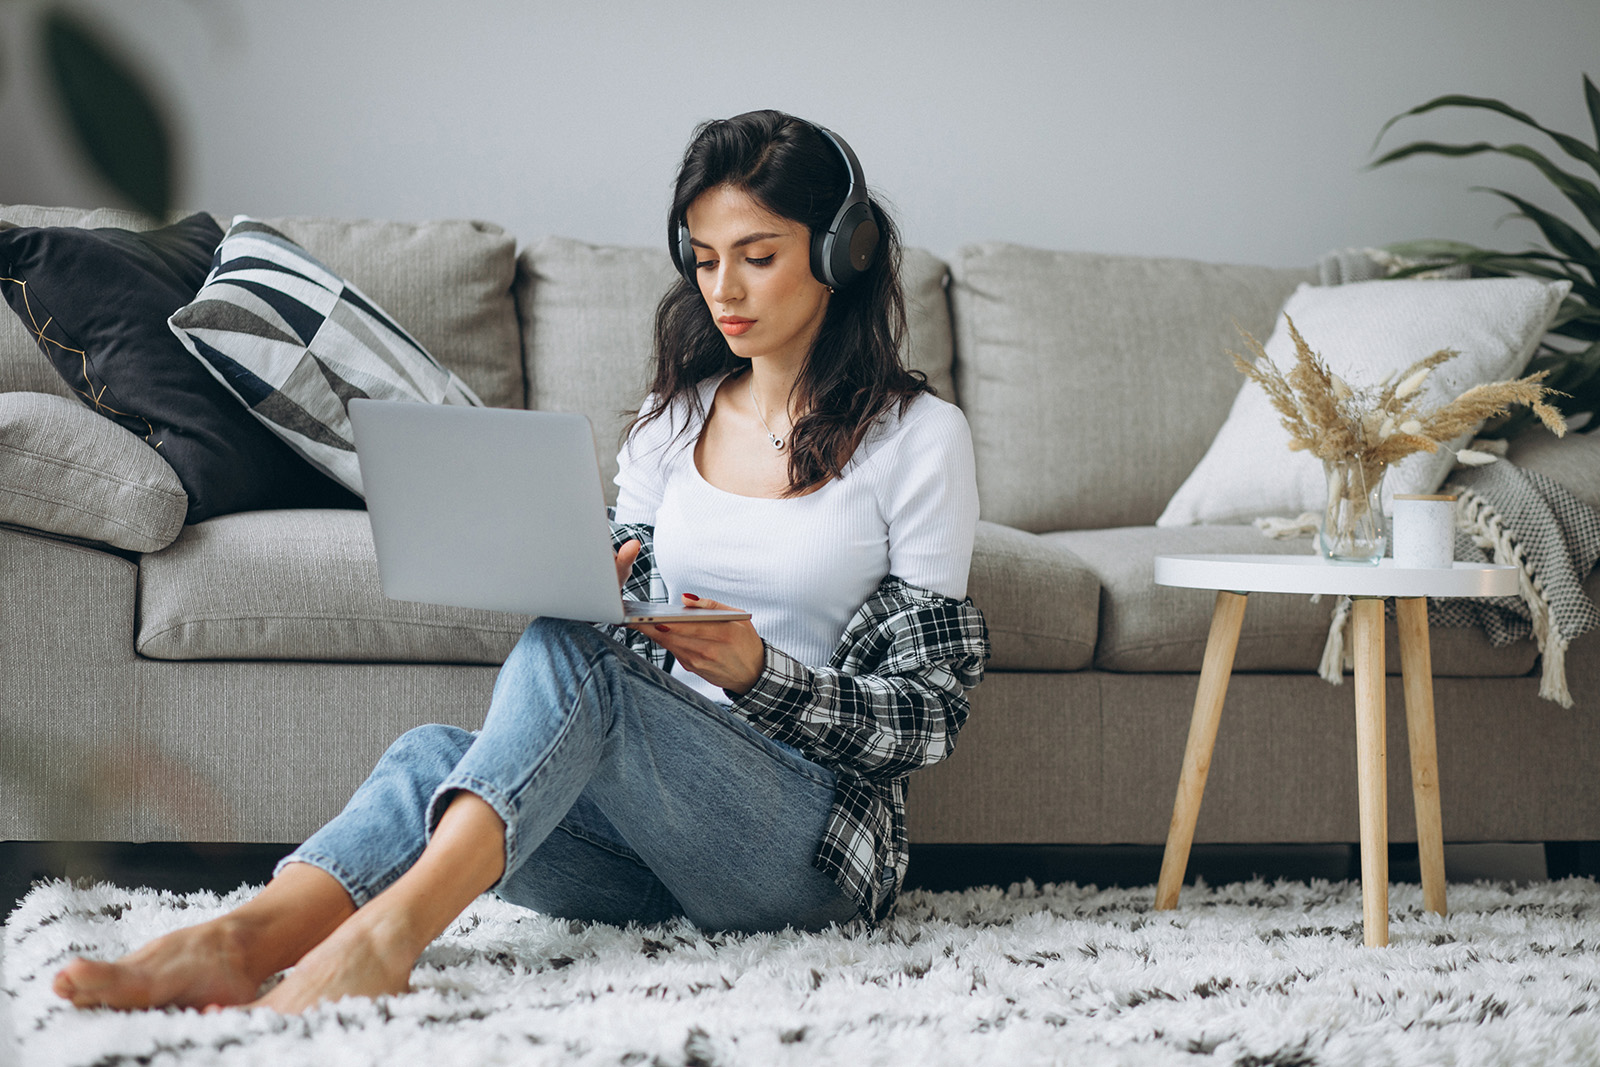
(360, 893)
(491, 795)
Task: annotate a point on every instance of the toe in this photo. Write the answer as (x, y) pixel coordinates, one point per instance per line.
(63, 986)
(89, 983)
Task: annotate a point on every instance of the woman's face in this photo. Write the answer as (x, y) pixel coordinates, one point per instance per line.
(754, 270)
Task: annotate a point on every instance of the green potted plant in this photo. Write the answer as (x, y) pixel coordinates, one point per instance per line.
(110, 113)
(1570, 250)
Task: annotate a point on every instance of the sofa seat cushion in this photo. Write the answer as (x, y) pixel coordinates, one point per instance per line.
(1040, 601)
(298, 585)
(1148, 627)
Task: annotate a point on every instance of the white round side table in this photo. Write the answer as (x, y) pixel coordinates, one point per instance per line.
(1235, 577)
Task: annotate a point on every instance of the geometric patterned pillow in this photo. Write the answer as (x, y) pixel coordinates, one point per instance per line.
(295, 343)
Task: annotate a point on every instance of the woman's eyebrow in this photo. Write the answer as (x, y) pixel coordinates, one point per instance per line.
(748, 239)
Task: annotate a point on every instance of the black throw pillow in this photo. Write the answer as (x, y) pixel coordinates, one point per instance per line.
(98, 302)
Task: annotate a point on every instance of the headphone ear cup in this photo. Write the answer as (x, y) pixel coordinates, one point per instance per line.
(683, 254)
(849, 249)
(820, 248)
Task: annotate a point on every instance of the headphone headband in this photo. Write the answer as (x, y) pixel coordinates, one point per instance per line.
(839, 252)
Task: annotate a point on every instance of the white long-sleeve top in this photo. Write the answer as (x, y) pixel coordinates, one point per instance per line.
(905, 504)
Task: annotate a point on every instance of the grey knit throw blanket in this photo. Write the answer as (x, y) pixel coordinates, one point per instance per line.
(1507, 514)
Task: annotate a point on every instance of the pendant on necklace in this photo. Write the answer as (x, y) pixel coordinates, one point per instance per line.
(777, 442)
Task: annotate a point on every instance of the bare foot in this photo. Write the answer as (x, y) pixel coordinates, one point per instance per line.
(190, 968)
(360, 959)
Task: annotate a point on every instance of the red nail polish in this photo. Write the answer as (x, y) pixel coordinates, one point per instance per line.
(690, 596)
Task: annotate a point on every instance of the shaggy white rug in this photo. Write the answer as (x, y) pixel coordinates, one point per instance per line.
(1250, 975)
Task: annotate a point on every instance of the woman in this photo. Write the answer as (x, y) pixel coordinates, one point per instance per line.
(746, 775)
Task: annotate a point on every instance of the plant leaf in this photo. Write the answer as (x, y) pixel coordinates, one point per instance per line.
(1570, 145)
(1579, 328)
(1591, 96)
(1561, 236)
(1432, 248)
(117, 124)
(1460, 252)
(1583, 194)
(1500, 264)
(1580, 191)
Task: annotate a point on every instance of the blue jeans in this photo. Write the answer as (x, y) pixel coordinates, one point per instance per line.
(626, 795)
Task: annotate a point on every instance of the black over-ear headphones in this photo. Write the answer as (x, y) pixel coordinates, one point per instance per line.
(838, 253)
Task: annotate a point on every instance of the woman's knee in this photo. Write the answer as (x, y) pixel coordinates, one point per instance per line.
(548, 633)
(433, 744)
(555, 652)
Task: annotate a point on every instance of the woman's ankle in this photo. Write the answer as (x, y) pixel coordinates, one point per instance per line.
(296, 912)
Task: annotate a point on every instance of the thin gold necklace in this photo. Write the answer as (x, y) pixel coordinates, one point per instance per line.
(777, 442)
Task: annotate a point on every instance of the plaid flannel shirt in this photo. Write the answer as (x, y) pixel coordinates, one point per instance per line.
(891, 699)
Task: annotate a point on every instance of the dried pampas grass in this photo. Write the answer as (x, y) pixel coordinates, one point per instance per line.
(1379, 425)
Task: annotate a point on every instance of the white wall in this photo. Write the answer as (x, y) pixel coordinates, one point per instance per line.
(1229, 130)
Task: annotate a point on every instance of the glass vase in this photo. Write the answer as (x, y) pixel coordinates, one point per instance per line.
(1352, 521)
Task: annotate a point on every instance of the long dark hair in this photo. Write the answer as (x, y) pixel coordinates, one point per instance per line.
(853, 372)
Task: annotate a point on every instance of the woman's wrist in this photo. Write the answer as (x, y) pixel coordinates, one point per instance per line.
(753, 676)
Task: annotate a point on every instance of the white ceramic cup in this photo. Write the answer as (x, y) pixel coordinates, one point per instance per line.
(1424, 530)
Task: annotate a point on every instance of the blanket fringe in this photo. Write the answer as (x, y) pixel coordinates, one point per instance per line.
(1481, 522)
(1553, 685)
(1281, 529)
(1332, 666)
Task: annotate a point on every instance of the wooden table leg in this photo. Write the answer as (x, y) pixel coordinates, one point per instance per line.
(1366, 615)
(1215, 670)
(1416, 666)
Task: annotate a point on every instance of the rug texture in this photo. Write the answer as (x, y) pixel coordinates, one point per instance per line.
(1248, 974)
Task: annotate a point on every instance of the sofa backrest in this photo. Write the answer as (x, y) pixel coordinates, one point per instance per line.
(448, 283)
(1094, 383)
(588, 314)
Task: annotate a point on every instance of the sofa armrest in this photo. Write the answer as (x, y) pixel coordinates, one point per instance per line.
(69, 757)
(1573, 460)
(1040, 600)
(66, 471)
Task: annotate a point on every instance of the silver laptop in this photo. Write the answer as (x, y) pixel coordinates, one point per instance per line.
(494, 508)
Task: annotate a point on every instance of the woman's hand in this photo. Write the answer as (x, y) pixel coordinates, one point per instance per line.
(625, 557)
(726, 654)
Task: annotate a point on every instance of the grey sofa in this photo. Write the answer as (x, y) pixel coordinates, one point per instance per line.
(236, 684)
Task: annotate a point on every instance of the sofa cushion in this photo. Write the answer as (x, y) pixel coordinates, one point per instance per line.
(1066, 371)
(295, 343)
(593, 355)
(298, 585)
(66, 470)
(99, 301)
(22, 366)
(1040, 601)
(448, 282)
(1149, 627)
(930, 340)
(1365, 333)
(1573, 460)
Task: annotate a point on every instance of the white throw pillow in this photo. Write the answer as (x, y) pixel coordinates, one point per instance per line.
(296, 343)
(1363, 332)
